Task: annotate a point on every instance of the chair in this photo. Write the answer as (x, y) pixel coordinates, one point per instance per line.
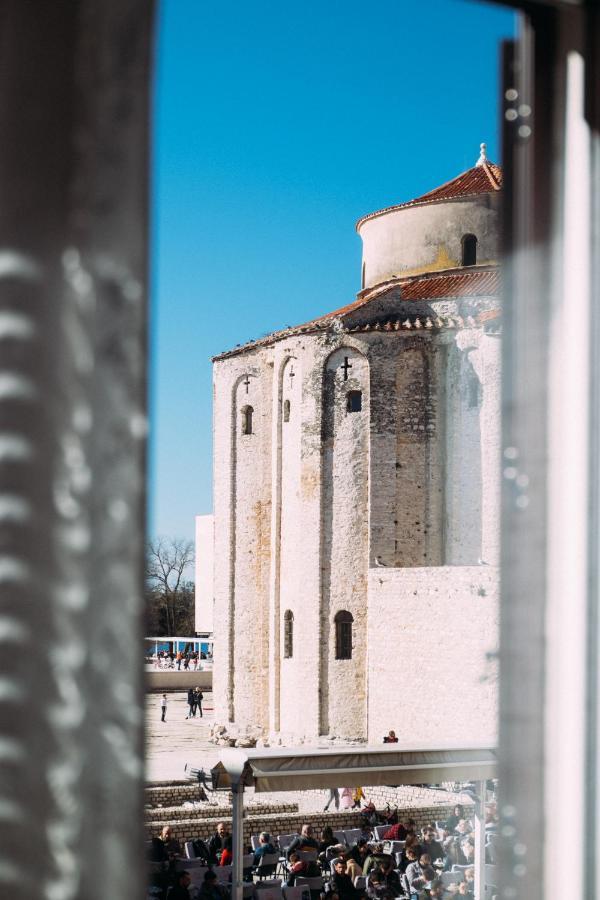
(314, 884)
(457, 868)
(195, 863)
(197, 874)
(255, 841)
(267, 865)
(297, 892)
(188, 849)
(360, 883)
(284, 840)
(393, 847)
(340, 837)
(269, 890)
(223, 874)
(332, 863)
(451, 878)
(379, 831)
(352, 835)
(308, 855)
(247, 861)
(491, 848)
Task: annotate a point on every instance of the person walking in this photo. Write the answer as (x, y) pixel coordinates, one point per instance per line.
(163, 708)
(198, 698)
(334, 797)
(191, 703)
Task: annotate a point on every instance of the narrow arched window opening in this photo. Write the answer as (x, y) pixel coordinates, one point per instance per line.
(362, 279)
(469, 250)
(247, 413)
(286, 410)
(288, 634)
(353, 401)
(343, 634)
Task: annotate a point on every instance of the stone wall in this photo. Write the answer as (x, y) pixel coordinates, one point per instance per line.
(432, 640)
(425, 238)
(280, 822)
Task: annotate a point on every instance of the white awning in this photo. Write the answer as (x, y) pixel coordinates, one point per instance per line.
(305, 768)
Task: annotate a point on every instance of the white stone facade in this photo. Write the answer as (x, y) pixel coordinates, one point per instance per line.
(356, 499)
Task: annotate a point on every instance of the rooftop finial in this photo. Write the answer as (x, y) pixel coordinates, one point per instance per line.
(482, 155)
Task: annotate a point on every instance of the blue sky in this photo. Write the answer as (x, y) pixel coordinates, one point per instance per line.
(276, 125)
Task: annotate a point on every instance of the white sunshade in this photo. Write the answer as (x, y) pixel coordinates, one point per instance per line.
(306, 768)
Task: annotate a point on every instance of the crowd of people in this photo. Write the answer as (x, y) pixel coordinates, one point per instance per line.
(369, 869)
(188, 660)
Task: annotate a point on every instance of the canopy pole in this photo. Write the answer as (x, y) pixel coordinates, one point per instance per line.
(237, 815)
(480, 843)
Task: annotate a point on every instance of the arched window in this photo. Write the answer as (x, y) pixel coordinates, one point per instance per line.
(247, 412)
(469, 250)
(362, 280)
(288, 634)
(343, 634)
(286, 410)
(353, 401)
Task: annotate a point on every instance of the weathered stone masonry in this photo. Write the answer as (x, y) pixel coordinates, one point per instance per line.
(356, 496)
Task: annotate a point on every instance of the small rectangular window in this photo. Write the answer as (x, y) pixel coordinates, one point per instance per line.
(354, 401)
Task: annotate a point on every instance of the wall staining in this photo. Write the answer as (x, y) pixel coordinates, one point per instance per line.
(344, 542)
(251, 503)
(419, 465)
(292, 549)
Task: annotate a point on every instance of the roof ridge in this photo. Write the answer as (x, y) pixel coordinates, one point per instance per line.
(486, 166)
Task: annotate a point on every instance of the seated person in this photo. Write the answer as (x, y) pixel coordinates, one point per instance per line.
(327, 839)
(466, 851)
(180, 890)
(341, 883)
(304, 841)
(359, 853)
(463, 826)
(217, 842)
(265, 847)
(353, 869)
(390, 738)
(396, 832)
(211, 889)
(375, 858)
(226, 857)
(418, 874)
(172, 845)
(301, 867)
(453, 819)
(431, 846)
(384, 881)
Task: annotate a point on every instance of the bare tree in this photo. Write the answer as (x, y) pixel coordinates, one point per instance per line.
(167, 560)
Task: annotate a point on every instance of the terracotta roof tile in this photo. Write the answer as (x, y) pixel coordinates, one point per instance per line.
(483, 179)
(476, 282)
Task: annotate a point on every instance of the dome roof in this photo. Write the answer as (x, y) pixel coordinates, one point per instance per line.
(483, 178)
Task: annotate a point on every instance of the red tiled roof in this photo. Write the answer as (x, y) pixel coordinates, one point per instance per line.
(475, 282)
(483, 179)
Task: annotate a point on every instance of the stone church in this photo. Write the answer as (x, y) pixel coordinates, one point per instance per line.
(356, 490)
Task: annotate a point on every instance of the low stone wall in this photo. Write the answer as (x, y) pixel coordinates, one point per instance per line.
(165, 680)
(164, 814)
(186, 829)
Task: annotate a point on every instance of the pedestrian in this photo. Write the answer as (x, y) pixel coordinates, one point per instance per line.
(334, 797)
(198, 697)
(179, 658)
(163, 707)
(358, 796)
(191, 703)
(186, 661)
(346, 798)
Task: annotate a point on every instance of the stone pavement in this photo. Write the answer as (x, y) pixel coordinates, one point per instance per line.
(172, 744)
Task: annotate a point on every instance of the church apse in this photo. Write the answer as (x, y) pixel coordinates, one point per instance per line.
(344, 544)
